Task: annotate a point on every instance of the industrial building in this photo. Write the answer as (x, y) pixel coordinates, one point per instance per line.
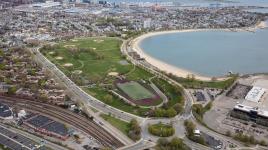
(254, 107)
(47, 126)
(255, 94)
(5, 112)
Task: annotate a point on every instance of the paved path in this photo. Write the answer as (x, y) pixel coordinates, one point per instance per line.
(144, 143)
(87, 100)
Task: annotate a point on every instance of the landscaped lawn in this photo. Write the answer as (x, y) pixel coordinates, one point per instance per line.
(135, 91)
(161, 130)
(97, 63)
(101, 94)
(119, 124)
(95, 57)
(192, 83)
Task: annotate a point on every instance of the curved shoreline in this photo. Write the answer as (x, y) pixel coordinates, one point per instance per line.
(178, 71)
(163, 66)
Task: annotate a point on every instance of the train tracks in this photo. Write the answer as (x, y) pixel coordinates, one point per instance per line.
(75, 120)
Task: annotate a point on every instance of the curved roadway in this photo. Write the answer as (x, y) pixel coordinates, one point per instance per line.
(144, 143)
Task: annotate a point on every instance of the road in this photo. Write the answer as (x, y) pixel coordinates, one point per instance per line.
(34, 138)
(187, 114)
(78, 94)
(89, 100)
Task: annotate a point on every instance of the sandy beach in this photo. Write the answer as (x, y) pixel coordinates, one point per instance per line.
(262, 25)
(162, 65)
(174, 69)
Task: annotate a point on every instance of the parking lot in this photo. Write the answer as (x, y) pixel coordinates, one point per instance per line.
(212, 142)
(15, 141)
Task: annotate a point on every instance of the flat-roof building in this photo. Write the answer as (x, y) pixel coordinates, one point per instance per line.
(5, 112)
(255, 94)
(254, 107)
(47, 4)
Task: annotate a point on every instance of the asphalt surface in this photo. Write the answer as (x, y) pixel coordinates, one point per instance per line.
(144, 142)
(14, 140)
(88, 100)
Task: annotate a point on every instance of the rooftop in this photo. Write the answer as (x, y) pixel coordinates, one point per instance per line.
(5, 111)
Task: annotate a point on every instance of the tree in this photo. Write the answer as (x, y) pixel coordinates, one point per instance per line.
(108, 98)
(176, 143)
(178, 108)
(159, 112)
(1, 52)
(263, 143)
(43, 97)
(135, 130)
(228, 133)
(162, 142)
(12, 90)
(171, 112)
(190, 127)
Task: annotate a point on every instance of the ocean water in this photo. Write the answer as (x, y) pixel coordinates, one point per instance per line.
(263, 3)
(213, 52)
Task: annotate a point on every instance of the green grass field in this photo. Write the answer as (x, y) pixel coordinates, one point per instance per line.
(135, 91)
(119, 124)
(95, 58)
(89, 62)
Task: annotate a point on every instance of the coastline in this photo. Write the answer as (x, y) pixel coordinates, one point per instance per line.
(163, 66)
(177, 71)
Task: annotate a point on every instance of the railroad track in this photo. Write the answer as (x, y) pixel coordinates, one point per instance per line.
(78, 121)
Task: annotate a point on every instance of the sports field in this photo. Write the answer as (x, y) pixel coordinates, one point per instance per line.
(135, 91)
(90, 58)
(96, 63)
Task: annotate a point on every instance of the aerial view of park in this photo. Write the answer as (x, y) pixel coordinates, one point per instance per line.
(99, 68)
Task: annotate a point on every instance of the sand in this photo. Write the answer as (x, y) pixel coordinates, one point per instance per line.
(113, 73)
(165, 66)
(262, 25)
(68, 65)
(67, 46)
(51, 53)
(98, 41)
(59, 58)
(77, 71)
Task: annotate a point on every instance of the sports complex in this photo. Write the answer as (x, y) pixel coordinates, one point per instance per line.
(99, 68)
(137, 93)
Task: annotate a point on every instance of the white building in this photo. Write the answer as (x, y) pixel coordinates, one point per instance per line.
(47, 4)
(147, 23)
(255, 94)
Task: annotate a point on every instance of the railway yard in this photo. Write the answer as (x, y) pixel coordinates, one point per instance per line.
(77, 121)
